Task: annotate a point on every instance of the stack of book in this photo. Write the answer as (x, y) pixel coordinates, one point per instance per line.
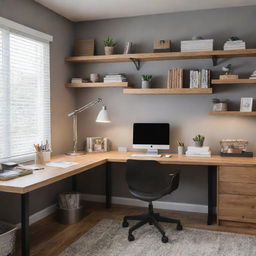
(198, 151)
(77, 80)
(114, 78)
(196, 45)
(199, 78)
(234, 45)
(175, 78)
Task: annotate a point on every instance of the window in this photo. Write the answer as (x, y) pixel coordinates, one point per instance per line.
(24, 92)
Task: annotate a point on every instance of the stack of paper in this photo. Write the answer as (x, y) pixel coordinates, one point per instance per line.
(196, 45)
(198, 151)
(234, 45)
(115, 78)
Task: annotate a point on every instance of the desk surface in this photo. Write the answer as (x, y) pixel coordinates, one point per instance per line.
(52, 174)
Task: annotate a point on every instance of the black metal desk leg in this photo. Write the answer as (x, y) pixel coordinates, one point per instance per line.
(108, 186)
(212, 171)
(74, 183)
(25, 224)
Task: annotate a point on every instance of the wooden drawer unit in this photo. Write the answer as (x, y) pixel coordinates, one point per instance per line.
(237, 194)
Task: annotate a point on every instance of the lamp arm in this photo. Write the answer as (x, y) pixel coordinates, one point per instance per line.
(90, 104)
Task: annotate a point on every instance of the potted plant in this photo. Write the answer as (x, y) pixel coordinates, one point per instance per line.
(146, 79)
(109, 46)
(199, 140)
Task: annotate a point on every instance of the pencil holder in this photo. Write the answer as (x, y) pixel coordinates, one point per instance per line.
(180, 150)
(42, 157)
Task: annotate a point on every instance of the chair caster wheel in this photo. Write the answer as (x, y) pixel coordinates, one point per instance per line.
(131, 237)
(150, 223)
(125, 224)
(179, 227)
(164, 239)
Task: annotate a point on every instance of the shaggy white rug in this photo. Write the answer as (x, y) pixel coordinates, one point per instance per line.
(108, 238)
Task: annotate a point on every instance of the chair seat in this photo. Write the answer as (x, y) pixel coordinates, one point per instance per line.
(149, 197)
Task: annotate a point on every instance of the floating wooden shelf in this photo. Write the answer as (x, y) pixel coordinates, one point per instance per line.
(232, 113)
(163, 56)
(168, 91)
(99, 85)
(233, 81)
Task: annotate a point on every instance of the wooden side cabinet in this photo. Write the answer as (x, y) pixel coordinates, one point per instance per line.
(236, 196)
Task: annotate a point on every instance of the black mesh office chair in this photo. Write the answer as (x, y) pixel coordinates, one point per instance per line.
(149, 181)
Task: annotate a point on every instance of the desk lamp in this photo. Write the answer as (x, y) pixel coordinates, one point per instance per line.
(101, 118)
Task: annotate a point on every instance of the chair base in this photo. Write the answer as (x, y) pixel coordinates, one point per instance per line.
(151, 218)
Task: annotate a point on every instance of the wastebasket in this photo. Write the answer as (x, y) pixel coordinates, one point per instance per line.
(70, 208)
(7, 239)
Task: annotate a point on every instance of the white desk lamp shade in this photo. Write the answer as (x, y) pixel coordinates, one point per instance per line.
(103, 116)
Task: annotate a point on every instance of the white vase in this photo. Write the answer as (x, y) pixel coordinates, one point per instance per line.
(145, 84)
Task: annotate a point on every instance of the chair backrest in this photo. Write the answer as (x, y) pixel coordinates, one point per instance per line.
(147, 176)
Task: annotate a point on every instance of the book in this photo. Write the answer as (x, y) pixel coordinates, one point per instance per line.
(175, 78)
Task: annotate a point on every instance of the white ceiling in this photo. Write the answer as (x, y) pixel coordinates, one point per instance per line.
(80, 10)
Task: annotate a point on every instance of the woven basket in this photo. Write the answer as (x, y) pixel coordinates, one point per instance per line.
(7, 239)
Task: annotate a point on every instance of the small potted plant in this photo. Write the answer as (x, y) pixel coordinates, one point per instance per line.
(109, 46)
(146, 79)
(199, 140)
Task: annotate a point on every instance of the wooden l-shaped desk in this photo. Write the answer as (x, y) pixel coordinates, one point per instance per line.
(236, 182)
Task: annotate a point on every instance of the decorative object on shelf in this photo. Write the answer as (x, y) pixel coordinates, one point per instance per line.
(94, 77)
(234, 147)
(84, 47)
(146, 81)
(219, 105)
(253, 75)
(97, 144)
(199, 140)
(114, 78)
(175, 78)
(196, 45)
(78, 80)
(199, 78)
(198, 151)
(109, 46)
(162, 45)
(246, 104)
(234, 43)
(228, 73)
(128, 48)
(180, 147)
(101, 118)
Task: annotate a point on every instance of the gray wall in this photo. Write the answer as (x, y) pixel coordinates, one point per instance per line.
(33, 15)
(187, 114)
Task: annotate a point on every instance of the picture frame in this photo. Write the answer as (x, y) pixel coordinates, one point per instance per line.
(96, 144)
(246, 104)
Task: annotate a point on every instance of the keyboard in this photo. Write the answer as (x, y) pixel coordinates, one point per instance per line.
(145, 155)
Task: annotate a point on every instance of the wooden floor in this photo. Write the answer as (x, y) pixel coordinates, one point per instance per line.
(49, 238)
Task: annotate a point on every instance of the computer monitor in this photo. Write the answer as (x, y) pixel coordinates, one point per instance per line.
(151, 136)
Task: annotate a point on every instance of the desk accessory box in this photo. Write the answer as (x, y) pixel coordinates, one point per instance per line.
(162, 45)
(234, 148)
(97, 144)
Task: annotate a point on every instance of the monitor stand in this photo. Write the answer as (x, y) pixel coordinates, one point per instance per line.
(152, 151)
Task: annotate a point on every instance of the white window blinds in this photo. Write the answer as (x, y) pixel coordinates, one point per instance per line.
(24, 94)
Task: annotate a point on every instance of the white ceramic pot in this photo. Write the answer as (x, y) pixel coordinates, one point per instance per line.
(145, 84)
(94, 77)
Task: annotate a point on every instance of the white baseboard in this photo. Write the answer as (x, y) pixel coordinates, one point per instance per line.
(40, 215)
(157, 204)
(123, 201)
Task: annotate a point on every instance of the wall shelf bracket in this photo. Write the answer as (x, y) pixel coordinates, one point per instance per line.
(136, 63)
(214, 60)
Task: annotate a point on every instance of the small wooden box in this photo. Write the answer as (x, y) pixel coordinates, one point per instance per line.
(223, 77)
(162, 45)
(84, 47)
